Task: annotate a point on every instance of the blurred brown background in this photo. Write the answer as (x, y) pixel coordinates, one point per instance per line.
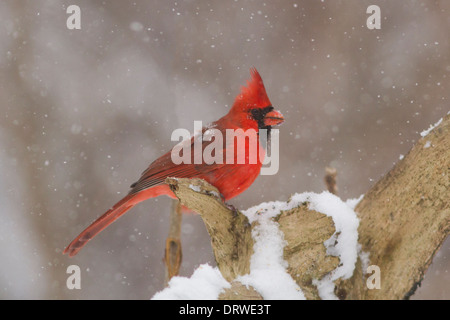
(83, 112)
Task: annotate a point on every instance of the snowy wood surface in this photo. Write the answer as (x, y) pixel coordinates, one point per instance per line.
(403, 221)
(303, 234)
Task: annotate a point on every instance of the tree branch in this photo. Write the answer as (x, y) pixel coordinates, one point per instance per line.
(173, 252)
(304, 231)
(229, 229)
(404, 220)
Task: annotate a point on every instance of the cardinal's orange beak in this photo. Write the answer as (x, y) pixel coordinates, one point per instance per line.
(273, 118)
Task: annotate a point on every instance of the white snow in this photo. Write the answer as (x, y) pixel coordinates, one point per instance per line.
(424, 133)
(427, 144)
(195, 188)
(198, 189)
(206, 283)
(353, 202)
(364, 257)
(268, 274)
(343, 243)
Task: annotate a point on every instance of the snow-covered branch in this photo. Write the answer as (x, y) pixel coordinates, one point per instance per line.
(278, 250)
(405, 218)
(316, 246)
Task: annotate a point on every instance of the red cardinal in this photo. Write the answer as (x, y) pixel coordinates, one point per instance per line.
(251, 110)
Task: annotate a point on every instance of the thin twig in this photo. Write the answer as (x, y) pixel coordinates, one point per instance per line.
(330, 180)
(173, 253)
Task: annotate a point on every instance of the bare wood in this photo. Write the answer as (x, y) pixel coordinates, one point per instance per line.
(173, 252)
(238, 291)
(330, 180)
(305, 232)
(229, 229)
(405, 218)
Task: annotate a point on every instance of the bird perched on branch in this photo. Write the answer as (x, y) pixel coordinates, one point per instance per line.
(251, 111)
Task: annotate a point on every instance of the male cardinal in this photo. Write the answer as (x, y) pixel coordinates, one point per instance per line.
(252, 109)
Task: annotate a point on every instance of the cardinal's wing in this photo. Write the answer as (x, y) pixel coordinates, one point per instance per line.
(164, 167)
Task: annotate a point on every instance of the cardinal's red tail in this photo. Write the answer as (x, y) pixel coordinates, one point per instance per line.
(101, 223)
